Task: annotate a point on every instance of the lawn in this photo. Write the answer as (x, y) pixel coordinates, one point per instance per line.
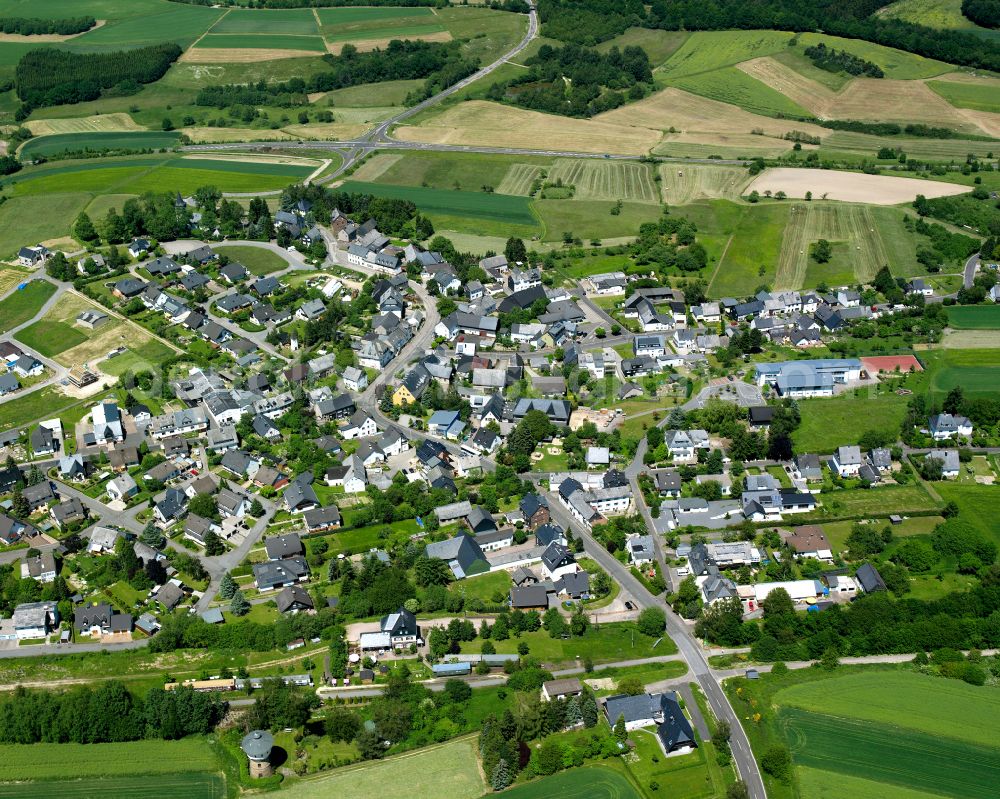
(24, 303)
(483, 586)
(450, 769)
(830, 422)
(257, 260)
(837, 532)
(48, 761)
(607, 643)
(589, 782)
(974, 317)
(72, 142)
(50, 338)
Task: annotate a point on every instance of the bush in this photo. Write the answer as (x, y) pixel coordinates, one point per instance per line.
(777, 761)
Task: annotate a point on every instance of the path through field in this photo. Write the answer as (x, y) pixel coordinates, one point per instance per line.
(808, 223)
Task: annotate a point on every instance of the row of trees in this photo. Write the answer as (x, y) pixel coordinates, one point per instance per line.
(982, 12)
(833, 60)
(106, 714)
(52, 77)
(28, 26)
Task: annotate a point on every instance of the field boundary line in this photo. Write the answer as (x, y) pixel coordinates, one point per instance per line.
(203, 35)
(319, 24)
(722, 255)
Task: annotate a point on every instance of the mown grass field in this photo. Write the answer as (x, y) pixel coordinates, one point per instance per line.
(589, 782)
(817, 784)
(606, 180)
(886, 753)
(19, 307)
(445, 170)
(67, 761)
(974, 317)
(592, 219)
(72, 142)
(704, 51)
(257, 260)
(945, 14)
(40, 404)
(449, 769)
(977, 505)
(943, 149)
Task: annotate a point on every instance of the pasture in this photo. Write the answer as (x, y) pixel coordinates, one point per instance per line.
(449, 769)
(704, 51)
(604, 180)
(686, 183)
(20, 306)
(885, 752)
(828, 422)
(945, 14)
(830, 184)
(897, 64)
(659, 45)
(74, 142)
(592, 219)
(589, 782)
(974, 317)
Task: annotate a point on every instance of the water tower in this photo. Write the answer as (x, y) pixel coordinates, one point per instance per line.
(257, 747)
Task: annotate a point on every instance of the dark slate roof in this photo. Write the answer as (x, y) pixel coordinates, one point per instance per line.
(869, 578)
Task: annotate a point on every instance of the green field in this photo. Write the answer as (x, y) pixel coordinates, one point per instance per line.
(23, 304)
(29, 220)
(977, 505)
(974, 317)
(50, 338)
(164, 786)
(345, 24)
(946, 708)
(251, 41)
(449, 769)
(886, 753)
(470, 205)
(704, 51)
(589, 782)
(72, 142)
(605, 644)
(733, 86)
(752, 252)
(162, 174)
(257, 260)
(937, 149)
(829, 422)
(592, 219)
(450, 171)
(659, 45)
(968, 95)
(295, 21)
(896, 64)
(945, 14)
(817, 784)
(47, 761)
(976, 371)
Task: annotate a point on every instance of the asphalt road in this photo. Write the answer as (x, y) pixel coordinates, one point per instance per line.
(969, 274)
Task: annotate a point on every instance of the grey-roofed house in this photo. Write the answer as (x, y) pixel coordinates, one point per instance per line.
(673, 730)
(463, 555)
(869, 579)
(300, 496)
(293, 598)
(280, 547)
(278, 573)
